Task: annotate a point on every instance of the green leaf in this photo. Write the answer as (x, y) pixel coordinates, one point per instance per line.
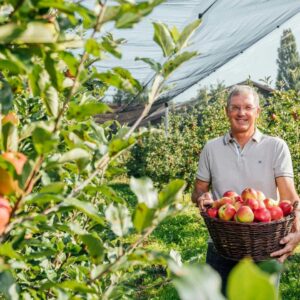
(198, 282)
(9, 32)
(43, 198)
(110, 45)
(143, 217)
(7, 250)
(75, 286)
(44, 141)
(145, 191)
(171, 192)
(110, 13)
(118, 145)
(151, 62)
(171, 65)
(259, 287)
(8, 286)
(53, 188)
(186, 34)
(10, 139)
(109, 194)
(271, 266)
(84, 111)
(50, 66)
(78, 155)
(94, 246)
(34, 80)
(6, 97)
(51, 100)
(86, 208)
(36, 32)
(92, 47)
(175, 34)
(70, 61)
(163, 37)
(119, 218)
(126, 76)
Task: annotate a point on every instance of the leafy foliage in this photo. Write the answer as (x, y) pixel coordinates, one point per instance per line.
(67, 231)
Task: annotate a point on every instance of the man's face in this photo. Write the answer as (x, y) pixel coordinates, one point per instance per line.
(242, 113)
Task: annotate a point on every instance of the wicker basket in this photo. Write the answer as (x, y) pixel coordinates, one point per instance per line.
(235, 241)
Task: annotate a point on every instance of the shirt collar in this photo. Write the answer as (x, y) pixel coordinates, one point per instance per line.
(257, 136)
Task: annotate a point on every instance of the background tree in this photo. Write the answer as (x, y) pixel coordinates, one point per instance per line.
(288, 61)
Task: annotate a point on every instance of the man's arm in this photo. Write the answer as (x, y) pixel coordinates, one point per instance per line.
(287, 191)
(200, 195)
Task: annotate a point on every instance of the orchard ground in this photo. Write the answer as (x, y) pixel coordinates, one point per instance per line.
(186, 233)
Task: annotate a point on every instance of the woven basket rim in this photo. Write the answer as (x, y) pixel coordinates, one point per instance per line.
(231, 222)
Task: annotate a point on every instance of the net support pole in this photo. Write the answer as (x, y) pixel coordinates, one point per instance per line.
(166, 119)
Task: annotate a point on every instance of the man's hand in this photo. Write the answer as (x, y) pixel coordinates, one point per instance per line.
(291, 241)
(204, 200)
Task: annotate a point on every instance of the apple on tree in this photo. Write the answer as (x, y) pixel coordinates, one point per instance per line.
(5, 211)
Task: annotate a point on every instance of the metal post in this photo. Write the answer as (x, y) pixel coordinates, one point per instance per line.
(166, 119)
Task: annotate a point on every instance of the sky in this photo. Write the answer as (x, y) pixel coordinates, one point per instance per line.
(257, 62)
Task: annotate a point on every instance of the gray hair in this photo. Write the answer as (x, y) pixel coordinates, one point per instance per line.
(242, 90)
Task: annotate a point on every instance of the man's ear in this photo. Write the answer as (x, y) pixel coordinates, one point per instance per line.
(258, 111)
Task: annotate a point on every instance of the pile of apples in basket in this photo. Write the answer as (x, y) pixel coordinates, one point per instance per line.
(250, 206)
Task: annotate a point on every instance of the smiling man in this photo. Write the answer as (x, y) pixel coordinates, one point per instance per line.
(243, 157)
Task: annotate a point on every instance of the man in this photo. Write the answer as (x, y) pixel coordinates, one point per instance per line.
(244, 157)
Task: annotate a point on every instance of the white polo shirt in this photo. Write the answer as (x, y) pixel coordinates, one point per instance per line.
(226, 166)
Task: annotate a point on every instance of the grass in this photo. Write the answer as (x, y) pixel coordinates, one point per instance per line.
(187, 234)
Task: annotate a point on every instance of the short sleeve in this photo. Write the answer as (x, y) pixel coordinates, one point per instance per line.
(203, 172)
(283, 166)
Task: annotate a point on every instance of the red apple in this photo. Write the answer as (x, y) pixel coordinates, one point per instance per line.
(252, 203)
(244, 214)
(226, 212)
(4, 219)
(5, 211)
(262, 215)
(212, 212)
(226, 200)
(230, 194)
(276, 212)
(10, 117)
(249, 193)
(286, 206)
(238, 198)
(4, 203)
(17, 159)
(237, 205)
(269, 202)
(260, 195)
(261, 204)
(216, 203)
